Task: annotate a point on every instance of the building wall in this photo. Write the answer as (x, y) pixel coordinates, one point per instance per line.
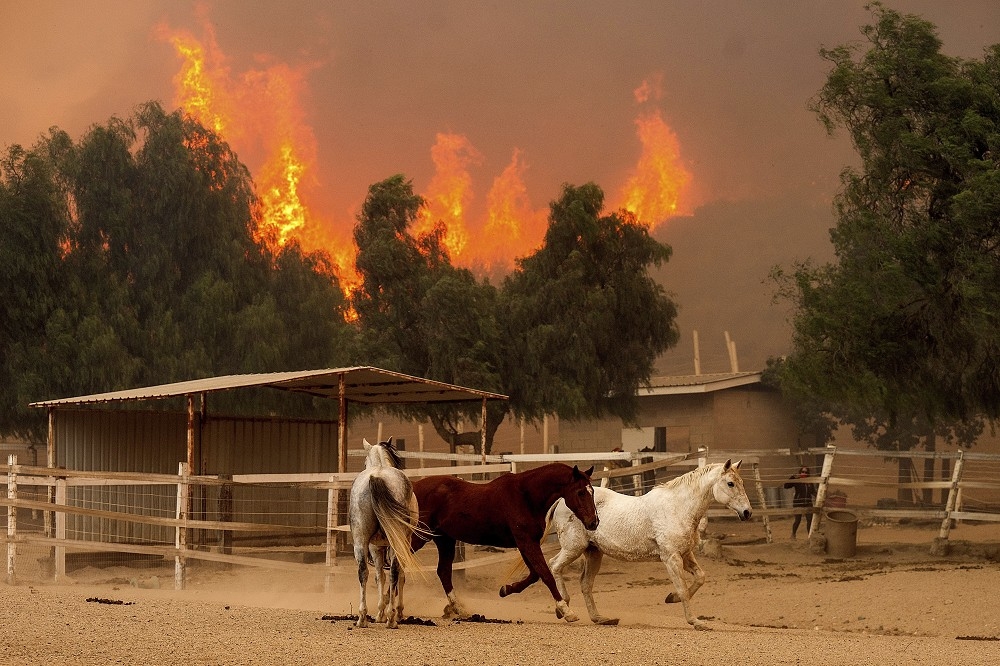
(753, 417)
(742, 418)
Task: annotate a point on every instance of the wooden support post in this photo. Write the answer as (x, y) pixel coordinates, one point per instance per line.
(181, 532)
(763, 501)
(545, 434)
(343, 498)
(734, 365)
(697, 354)
(11, 518)
(821, 491)
(192, 467)
(940, 546)
(482, 437)
(59, 552)
(522, 435)
(420, 442)
(331, 533)
(50, 461)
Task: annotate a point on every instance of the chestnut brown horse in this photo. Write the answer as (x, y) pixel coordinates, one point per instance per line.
(507, 512)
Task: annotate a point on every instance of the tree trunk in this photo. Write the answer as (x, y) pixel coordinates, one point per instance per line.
(473, 438)
(945, 476)
(904, 495)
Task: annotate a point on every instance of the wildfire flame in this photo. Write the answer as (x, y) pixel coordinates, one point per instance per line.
(260, 115)
(658, 185)
(271, 130)
(450, 191)
(512, 225)
(195, 90)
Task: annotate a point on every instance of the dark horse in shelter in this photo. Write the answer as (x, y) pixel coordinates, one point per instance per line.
(507, 512)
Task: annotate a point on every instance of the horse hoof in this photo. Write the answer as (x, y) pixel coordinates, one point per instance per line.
(607, 621)
(569, 615)
(701, 626)
(672, 598)
(504, 592)
(564, 612)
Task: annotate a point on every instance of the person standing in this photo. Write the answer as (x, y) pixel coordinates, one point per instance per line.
(805, 496)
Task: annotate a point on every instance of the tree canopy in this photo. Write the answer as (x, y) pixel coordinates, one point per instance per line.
(130, 258)
(573, 330)
(902, 330)
(134, 256)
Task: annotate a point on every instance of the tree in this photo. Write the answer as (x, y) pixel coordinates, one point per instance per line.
(573, 331)
(583, 319)
(34, 225)
(133, 259)
(422, 316)
(902, 331)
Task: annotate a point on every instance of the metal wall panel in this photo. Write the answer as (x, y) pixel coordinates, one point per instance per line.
(154, 441)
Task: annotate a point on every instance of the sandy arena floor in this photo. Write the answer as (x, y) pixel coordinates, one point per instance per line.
(776, 603)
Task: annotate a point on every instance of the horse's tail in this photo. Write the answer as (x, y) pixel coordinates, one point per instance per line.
(396, 520)
(548, 520)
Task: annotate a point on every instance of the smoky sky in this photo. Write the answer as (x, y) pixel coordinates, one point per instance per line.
(553, 80)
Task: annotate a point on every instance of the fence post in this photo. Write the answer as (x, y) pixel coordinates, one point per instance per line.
(636, 478)
(763, 502)
(940, 545)
(821, 491)
(180, 532)
(225, 511)
(11, 518)
(331, 533)
(59, 553)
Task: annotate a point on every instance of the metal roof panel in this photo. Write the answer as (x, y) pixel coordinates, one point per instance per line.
(706, 383)
(364, 384)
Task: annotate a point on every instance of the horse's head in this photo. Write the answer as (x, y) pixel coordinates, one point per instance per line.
(728, 490)
(579, 497)
(382, 454)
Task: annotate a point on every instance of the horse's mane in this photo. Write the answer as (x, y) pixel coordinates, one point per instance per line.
(390, 449)
(689, 478)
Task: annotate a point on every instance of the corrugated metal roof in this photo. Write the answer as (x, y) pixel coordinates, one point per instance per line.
(362, 384)
(698, 383)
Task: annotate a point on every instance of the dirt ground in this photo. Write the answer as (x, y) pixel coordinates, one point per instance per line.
(775, 603)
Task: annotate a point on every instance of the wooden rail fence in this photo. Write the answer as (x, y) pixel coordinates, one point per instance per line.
(25, 484)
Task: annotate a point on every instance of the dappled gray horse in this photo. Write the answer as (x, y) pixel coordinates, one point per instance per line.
(383, 516)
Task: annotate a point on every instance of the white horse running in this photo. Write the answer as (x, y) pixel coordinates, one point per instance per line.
(383, 516)
(662, 524)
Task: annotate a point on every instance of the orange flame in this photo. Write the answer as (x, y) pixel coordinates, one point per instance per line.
(659, 184)
(280, 202)
(259, 114)
(450, 191)
(513, 227)
(195, 88)
(271, 131)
